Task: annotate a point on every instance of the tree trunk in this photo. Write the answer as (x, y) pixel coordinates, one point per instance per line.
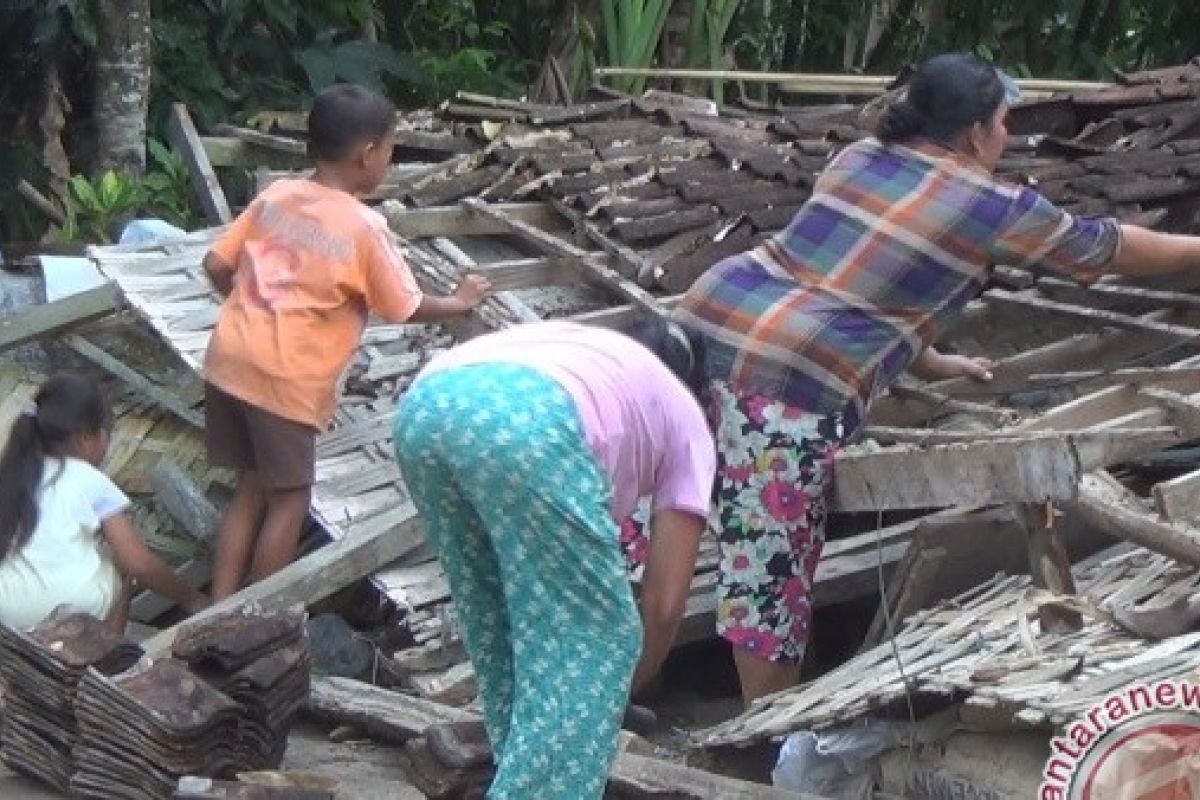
(122, 83)
(881, 52)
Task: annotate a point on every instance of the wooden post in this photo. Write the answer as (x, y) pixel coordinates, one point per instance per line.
(1049, 566)
(186, 140)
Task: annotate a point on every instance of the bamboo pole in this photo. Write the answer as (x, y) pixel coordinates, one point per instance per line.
(874, 82)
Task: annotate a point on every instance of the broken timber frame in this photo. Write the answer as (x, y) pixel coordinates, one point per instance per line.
(317, 575)
(397, 719)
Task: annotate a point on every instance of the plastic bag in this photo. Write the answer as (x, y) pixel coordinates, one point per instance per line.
(835, 763)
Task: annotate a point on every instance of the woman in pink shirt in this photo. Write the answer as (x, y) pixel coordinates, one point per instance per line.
(521, 450)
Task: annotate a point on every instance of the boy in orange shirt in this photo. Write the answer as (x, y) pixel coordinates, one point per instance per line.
(300, 269)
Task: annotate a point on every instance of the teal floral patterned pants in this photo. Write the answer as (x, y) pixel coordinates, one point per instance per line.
(517, 508)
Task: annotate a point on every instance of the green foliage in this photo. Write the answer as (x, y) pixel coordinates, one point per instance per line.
(247, 55)
(463, 47)
(96, 209)
(632, 32)
(167, 188)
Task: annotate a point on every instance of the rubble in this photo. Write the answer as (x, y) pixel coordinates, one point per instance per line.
(601, 209)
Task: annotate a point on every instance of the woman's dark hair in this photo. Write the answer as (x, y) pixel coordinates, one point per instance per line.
(677, 347)
(343, 117)
(65, 406)
(947, 94)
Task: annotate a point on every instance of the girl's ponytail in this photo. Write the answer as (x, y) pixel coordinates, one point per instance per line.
(21, 466)
(66, 406)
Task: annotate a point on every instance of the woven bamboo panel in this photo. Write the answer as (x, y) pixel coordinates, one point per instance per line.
(985, 648)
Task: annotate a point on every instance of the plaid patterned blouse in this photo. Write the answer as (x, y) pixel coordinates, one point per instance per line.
(892, 245)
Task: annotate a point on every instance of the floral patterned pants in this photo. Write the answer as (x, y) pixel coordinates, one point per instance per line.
(774, 467)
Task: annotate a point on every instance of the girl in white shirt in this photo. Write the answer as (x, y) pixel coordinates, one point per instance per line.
(66, 535)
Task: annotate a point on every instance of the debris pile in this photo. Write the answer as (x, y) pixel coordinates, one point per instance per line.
(42, 671)
(84, 718)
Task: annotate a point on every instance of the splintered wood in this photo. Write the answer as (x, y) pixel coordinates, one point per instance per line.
(631, 200)
(985, 648)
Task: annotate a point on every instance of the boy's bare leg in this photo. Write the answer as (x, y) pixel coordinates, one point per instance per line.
(237, 534)
(280, 536)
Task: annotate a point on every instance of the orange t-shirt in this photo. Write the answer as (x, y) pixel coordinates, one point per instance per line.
(309, 262)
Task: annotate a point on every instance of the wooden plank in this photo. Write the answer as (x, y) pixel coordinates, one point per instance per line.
(1092, 315)
(1114, 510)
(182, 499)
(1183, 410)
(152, 391)
(1161, 377)
(49, 319)
(525, 273)
(632, 263)
(149, 606)
(906, 595)
(416, 223)
(1121, 294)
(1049, 567)
(618, 316)
(1178, 500)
(229, 151)
(317, 575)
(581, 259)
(397, 718)
(282, 144)
(513, 304)
(186, 140)
(973, 474)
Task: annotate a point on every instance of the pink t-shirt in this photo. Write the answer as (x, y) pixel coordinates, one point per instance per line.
(642, 423)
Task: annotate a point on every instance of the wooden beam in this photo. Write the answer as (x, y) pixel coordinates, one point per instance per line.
(149, 606)
(230, 151)
(315, 576)
(630, 260)
(1120, 294)
(1182, 410)
(186, 140)
(906, 595)
(268, 141)
(152, 391)
(1049, 567)
(415, 223)
(55, 317)
(1092, 315)
(938, 403)
(618, 316)
(1178, 500)
(1162, 377)
(1116, 511)
(182, 499)
(581, 259)
(973, 474)
(513, 304)
(526, 273)
(397, 718)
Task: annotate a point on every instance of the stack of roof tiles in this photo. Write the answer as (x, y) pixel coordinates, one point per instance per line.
(681, 186)
(222, 703)
(42, 670)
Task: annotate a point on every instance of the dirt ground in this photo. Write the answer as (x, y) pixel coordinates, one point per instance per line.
(366, 771)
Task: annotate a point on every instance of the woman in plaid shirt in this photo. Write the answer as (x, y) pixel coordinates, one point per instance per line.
(901, 232)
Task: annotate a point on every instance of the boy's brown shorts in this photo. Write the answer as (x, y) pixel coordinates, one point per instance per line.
(244, 437)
